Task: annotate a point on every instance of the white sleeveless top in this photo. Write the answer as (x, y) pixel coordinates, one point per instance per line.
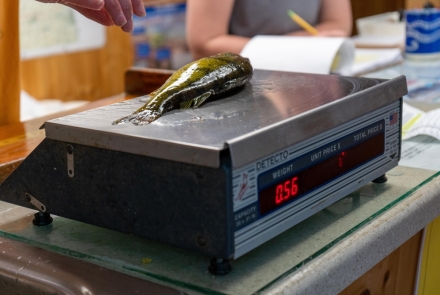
(269, 17)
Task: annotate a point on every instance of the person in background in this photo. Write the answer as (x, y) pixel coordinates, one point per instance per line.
(107, 12)
(215, 26)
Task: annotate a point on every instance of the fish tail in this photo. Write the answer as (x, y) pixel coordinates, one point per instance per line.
(139, 118)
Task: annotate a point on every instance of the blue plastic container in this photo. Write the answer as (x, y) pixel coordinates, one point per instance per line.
(423, 32)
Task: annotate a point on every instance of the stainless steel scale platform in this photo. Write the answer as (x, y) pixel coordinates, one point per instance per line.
(222, 179)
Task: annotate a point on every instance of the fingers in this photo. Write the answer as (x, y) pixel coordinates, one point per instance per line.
(48, 1)
(128, 27)
(107, 12)
(127, 9)
(90, 4)
(121, 11)
(138, 7)
(114, 10)
(99, 16)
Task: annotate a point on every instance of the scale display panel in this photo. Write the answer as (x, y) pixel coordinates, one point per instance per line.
(296, 182)
(298, 177)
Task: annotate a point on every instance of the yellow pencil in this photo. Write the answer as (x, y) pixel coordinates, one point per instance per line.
(300, 21)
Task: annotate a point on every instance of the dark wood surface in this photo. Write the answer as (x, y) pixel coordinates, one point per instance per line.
(140, 81)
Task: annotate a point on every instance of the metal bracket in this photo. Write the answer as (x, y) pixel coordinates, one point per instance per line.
(31, 199)
(70, 163)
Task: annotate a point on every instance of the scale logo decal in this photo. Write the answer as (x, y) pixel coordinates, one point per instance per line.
(394, 118)
(243, 186)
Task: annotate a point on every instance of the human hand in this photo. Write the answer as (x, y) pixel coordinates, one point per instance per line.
(106, 12)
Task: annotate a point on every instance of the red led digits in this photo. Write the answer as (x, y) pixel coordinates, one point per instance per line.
(294, 186)
(341, 160)
(286, 190)
(279, 194)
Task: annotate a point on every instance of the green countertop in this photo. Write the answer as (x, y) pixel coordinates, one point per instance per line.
(259, 271)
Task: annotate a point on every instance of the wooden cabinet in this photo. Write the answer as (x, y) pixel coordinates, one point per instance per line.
(9, 63)
(419, 3)
(396, 274)
(88, 75)
(362, 8)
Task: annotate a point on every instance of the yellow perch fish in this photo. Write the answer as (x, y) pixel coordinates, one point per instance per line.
(192, 85)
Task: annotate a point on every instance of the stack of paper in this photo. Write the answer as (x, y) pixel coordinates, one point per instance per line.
(421, 134)
(318, 55)
(379, 41)
(416, 122)
(367, 60)
(301, 54)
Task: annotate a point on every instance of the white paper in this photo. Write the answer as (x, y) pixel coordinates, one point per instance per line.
(427, 124)
(31, 108)
(367, 60)
(301, 54)
(369, 41)
(421, 152)
(416, 122)
(421, 134)
(317, 55)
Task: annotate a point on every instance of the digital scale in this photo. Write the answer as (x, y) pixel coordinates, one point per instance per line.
(222, 179)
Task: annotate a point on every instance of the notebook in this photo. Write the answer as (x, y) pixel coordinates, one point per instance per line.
(318, 55)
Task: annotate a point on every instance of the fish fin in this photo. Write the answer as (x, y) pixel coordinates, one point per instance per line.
(186, 104)
(234, 83)
(198, 101)
(139, 118)
(195, 102)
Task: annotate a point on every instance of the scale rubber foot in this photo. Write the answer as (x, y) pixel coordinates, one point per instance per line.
(381, 179)
(42, 219)
(219, 266)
